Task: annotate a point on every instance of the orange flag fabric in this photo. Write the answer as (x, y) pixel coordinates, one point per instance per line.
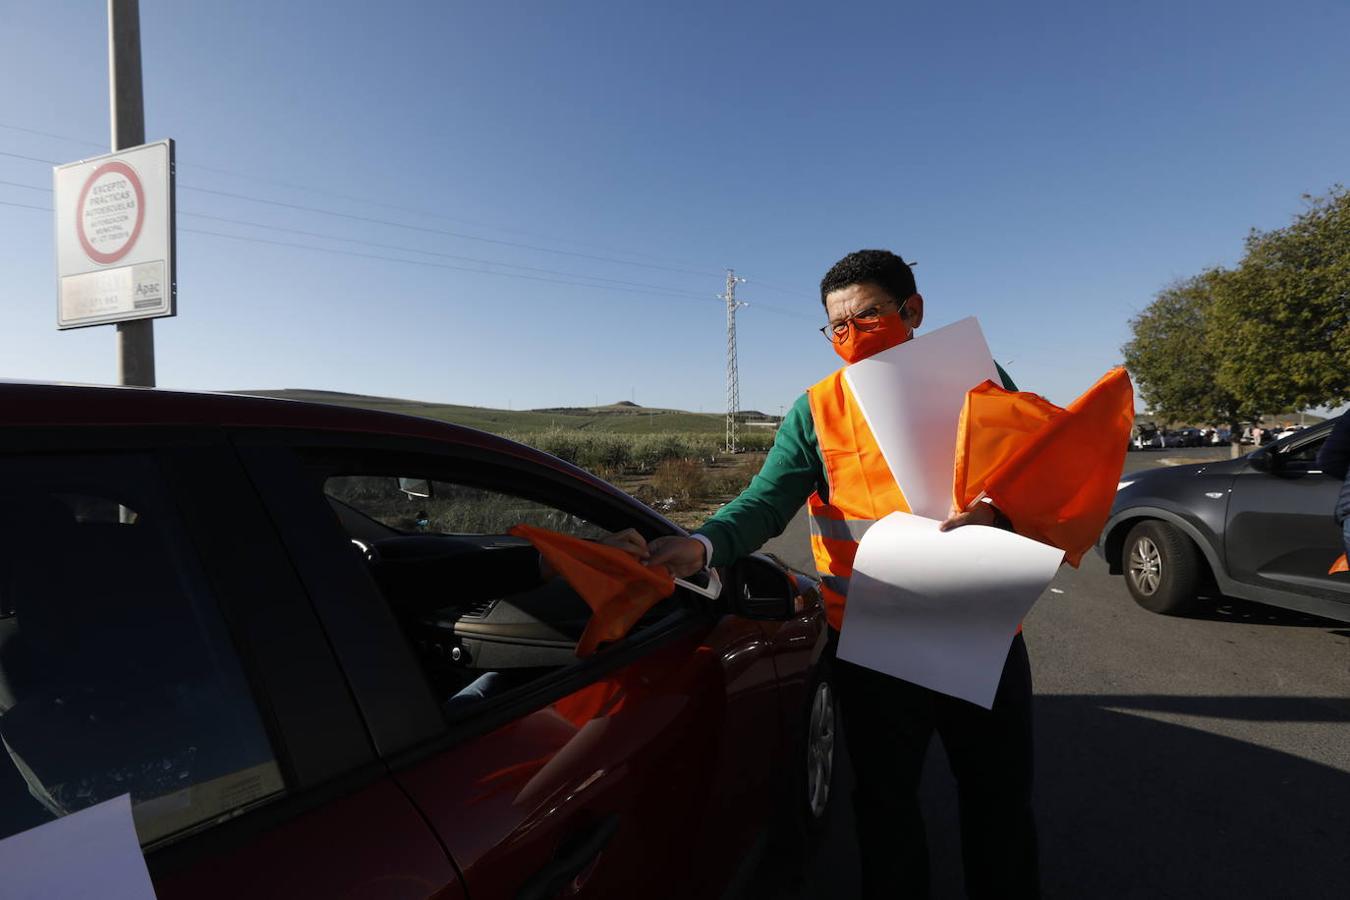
(1340, 565)
(618, 589)
(1052, 471)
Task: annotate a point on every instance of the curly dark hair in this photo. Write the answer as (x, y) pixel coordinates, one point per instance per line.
(879, 267)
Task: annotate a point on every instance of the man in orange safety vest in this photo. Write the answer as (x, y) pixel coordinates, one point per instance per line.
(825, 456)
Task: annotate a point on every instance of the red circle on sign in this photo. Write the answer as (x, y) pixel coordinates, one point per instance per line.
(130, 174)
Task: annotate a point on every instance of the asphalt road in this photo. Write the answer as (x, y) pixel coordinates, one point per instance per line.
(1193, 757)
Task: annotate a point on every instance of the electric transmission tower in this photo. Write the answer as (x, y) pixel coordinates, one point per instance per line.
(733, 379)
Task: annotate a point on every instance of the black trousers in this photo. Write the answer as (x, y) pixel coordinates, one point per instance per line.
(888, 724)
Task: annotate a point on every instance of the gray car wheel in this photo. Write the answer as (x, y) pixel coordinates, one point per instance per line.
(1162, 568)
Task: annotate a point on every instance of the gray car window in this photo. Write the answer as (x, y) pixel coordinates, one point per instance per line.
(1304, 456)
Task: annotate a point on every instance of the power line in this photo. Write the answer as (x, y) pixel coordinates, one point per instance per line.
(371, 220)
(777, 310)
(46, 209)
(290, 185)
(574, 279)
(591, 280)
(405, 249)
(782, 290)
(427, 230)
(50, 162)
(59, 137)
(30, 187)
(433, 265)
(439, 231)
(398, 248)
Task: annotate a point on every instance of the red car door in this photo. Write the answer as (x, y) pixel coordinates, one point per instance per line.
(644, 770)
(652, 780)
(369, 845)
(343, 828)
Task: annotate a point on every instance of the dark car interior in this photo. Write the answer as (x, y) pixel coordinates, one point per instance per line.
(475, 607)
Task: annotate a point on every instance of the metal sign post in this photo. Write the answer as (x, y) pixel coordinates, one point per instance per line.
(135, 339)
(115, 218)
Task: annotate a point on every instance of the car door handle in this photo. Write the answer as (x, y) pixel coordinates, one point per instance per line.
(574, 854)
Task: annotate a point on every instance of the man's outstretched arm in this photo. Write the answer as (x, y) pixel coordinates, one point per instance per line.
(791, 472)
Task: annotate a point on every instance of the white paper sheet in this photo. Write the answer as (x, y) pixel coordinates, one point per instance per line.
(940, 608)
(911, 396)
(92, 854)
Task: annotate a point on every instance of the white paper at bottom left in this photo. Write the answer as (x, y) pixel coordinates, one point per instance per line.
(92, 854)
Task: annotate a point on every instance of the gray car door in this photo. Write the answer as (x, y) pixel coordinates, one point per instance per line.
(1280, 533)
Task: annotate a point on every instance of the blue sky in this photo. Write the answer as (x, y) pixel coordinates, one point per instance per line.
(1049, 166)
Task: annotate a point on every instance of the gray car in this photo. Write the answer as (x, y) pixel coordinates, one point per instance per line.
(1259, 527)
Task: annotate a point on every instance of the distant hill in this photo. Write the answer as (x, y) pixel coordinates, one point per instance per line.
(624, 417)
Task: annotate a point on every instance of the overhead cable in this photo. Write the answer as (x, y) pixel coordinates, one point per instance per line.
(395, 248)
(661, 292)
(439, 231)
(290, 185)
(590, 280)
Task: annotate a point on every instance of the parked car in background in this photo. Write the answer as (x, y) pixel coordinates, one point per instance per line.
(301, 639)
(1147, 437)
(1171, 439)
(1189, 437)
(1258, 527)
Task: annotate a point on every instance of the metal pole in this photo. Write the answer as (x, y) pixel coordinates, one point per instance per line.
(135, 340)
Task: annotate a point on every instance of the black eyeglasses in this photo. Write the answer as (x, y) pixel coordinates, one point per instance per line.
(864, 320)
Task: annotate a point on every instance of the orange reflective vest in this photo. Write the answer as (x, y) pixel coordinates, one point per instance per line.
(861, 488)
(1051, 470)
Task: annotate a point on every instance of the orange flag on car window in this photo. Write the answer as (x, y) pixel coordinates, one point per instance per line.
(1339, 566)
(1052, 471)
(618, 589)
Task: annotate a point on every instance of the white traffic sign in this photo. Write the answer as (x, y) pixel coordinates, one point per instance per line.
(115, 237)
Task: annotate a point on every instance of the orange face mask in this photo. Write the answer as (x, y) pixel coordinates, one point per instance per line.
(891, 331)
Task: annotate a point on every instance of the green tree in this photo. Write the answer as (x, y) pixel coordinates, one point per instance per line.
(1174, 365)
(1280, 321)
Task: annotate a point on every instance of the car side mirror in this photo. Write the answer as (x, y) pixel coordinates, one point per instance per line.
(415, 487)
(759, 588)
(1264, 461)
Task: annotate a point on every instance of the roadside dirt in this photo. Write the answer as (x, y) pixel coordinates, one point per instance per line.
(686, 491)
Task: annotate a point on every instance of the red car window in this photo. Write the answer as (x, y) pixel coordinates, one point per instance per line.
(474, 600)
(116, 672)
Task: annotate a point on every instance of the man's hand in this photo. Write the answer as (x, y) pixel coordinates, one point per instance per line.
(979, 514)
(682, 556)
(627, 540)
(630, 542)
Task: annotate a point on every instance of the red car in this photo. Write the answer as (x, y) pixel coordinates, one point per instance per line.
(298, 636)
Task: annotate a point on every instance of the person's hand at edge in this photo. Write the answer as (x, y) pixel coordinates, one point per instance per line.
(980, 513)
(627, 540)
(682, 556)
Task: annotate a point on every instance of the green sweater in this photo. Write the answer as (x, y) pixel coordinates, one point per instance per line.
(793, 470)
